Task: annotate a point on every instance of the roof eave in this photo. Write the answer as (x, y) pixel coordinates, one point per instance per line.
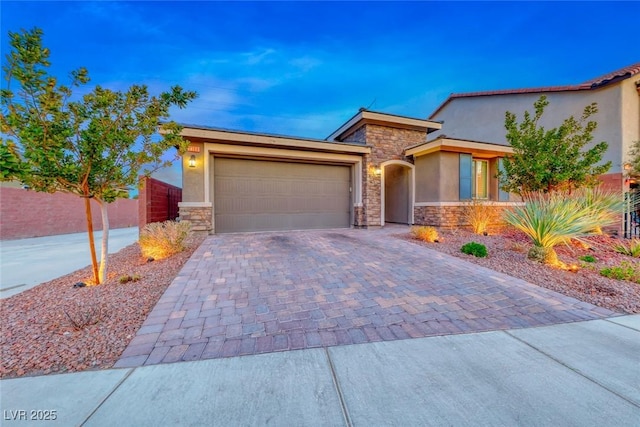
(442, 143)
(203, 134)
(384, 119)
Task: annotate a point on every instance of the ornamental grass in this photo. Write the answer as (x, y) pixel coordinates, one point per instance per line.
(160, 240)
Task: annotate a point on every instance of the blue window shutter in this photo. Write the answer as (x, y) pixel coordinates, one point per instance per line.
(466, 170)
(503, 196)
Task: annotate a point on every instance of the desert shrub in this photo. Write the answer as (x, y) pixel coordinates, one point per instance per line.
(476, 249)
(425, 233)
(552, 219)
(518, 247)
(479, 214)
(162, 239)
(127, 278)
(632, 248)
(588, 258)
(624, 271)
(82, 314)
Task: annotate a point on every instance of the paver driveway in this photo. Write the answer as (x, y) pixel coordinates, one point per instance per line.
(254, 293)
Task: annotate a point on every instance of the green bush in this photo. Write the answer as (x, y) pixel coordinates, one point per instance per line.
(624, 271)
(588, 258)
(162, 239)
(476, 249)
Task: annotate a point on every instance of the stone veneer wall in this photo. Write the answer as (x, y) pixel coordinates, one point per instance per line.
(386, 144)
(358, 217)
(450, 216)
(199, 217)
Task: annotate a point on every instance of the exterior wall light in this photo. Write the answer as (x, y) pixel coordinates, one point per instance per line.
(192, 161)
(374, 170)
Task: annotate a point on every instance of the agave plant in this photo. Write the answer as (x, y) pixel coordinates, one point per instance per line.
(550, 220)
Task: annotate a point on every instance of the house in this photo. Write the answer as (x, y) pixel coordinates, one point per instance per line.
(480, 115)
(375, 168)
(381, 168)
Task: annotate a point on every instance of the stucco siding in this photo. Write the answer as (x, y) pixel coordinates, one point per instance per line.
(481, 118)
(193, 178)
(630, 116)
(427, 176)
(449, 177)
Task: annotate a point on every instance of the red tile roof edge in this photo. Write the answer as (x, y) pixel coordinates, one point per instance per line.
(621, 74)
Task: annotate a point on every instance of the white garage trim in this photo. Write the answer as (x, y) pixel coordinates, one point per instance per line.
(268, 152)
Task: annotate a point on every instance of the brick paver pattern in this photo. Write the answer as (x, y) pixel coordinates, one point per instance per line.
(244, 294)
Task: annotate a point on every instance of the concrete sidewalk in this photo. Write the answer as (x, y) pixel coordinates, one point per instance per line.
(574, 374)
(26, 263)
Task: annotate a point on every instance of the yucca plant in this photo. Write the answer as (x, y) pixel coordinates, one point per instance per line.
(552, 219)
(605, 207)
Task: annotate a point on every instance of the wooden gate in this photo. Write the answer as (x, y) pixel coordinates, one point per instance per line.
(158, 201)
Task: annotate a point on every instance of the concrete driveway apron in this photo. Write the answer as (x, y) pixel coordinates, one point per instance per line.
(243, 294)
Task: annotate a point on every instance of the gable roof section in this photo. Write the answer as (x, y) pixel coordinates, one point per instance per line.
(365, 116)
(598, 82)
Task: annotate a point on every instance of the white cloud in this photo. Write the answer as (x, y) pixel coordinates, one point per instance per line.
(305, 63)
(258, 56)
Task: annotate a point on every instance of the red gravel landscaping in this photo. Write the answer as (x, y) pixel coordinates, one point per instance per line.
(508, 254)
(56, 328)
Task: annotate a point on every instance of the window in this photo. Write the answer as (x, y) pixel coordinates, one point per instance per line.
(480, 184)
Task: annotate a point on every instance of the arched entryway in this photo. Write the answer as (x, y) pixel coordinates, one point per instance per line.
(397, 192)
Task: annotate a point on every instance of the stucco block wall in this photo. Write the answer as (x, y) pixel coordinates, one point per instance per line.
(26, 213)
(613, 182)
(386, 144)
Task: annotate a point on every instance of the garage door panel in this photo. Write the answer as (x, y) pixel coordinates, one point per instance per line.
(260, 195)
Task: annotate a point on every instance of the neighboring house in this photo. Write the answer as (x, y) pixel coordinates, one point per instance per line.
(480, 115)
(376, 168)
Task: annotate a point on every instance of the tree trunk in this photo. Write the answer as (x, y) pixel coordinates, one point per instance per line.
(104, 255)
(92, 244)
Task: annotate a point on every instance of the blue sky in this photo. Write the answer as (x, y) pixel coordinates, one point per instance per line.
(303, 68)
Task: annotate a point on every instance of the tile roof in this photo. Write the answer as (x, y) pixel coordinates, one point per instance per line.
(621, 74)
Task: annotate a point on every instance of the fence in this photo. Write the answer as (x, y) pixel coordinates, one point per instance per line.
(27, 213)
(631, 227)
(158, 201)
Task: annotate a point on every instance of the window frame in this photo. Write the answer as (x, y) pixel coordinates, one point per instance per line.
(474, 181)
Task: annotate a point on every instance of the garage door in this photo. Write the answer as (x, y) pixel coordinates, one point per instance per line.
(265, 195)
